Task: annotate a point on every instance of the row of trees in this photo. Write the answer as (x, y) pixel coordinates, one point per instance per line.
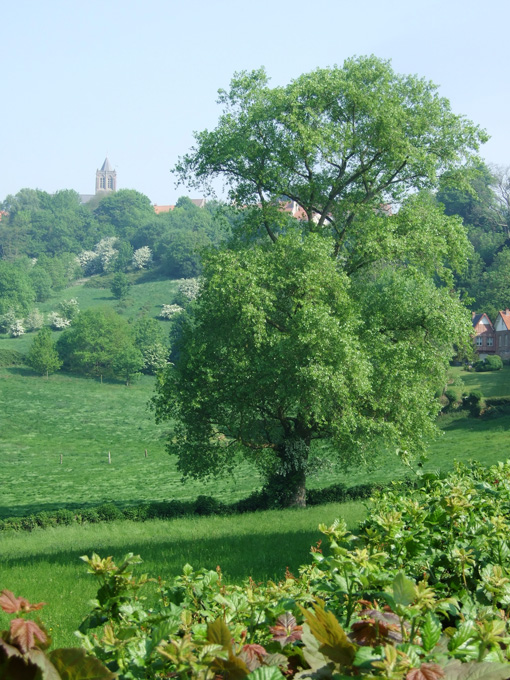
(324, 340)
(36, 223)
(103, 344)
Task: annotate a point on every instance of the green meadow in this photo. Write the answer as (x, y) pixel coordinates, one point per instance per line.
(55, 436)
(45, 565)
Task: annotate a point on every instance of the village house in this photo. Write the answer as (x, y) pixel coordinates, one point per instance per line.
(484, 335)
(502, 331)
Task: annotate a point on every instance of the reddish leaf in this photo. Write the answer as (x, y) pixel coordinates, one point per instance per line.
(24, 632)
(378, 626)
(286, 630)
(427, 671)
(252, 655)
(12, 604)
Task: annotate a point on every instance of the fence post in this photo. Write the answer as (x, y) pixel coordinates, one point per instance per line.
(109, 458)
(146, 453)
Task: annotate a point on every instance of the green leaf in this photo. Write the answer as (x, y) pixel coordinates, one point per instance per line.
(403, 590)
(266, 673)
(334, 643)
(430, 632)
(76, 664)
(464, 633)
(219, 634)
(476, 671)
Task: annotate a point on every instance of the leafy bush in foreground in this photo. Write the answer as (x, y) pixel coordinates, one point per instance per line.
(421, 593)
(23, 649)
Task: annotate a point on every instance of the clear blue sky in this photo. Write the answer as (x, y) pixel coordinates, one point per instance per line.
(133, 80)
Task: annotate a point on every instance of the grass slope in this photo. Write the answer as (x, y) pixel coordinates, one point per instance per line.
(45, 564)
(83, 419)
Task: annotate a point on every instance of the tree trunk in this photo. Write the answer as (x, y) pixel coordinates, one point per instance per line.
(287, 482)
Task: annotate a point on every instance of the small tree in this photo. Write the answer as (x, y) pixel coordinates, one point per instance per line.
(142, 257)
(69, 309)
(43, 356)
(128, 363)
(120, 286)
(34, 321)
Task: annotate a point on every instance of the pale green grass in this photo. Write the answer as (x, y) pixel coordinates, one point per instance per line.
(45, 565)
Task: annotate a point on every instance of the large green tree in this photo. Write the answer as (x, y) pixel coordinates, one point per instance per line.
(94, 343)
(338, 330)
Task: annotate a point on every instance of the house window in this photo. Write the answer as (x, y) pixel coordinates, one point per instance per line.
(102, 183)
(490, 342)
(479, 341)
(110, 182)
(506, 340)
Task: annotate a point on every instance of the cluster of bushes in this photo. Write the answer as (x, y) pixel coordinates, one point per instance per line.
(201, 506)
(421, 592)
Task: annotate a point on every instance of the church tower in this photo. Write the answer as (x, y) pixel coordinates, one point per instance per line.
(106, 178)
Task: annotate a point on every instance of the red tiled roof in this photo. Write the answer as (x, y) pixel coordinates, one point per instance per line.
(158, 209)
(506, 318)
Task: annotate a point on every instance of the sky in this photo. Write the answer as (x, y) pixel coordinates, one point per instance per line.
(133, 80)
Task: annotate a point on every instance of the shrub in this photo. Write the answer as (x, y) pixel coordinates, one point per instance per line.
(207, 505)
(16, 330)
(45, 519)
(142, 257)
(28, 523)
(491, 363)
(58, 322)
(108, 512)
(90, 515)
(64, 516)
(169, 311)
(137, 513)
(473, 403)
(10, 357)
(34, 321)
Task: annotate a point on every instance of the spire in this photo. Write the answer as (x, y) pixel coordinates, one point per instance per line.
(106, 167)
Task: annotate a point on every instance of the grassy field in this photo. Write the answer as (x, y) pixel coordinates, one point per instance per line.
(82, 419)
(45, 565)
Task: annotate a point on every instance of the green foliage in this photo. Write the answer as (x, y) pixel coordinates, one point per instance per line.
(337, 328)
(120, 286)
(11, 357)
(490, 363)
(16, 290)
(99, 343)
(43, 356)
(473, 403)
(421, 591)
(282, 348)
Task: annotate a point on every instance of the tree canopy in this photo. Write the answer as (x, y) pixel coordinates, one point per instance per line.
(337, 327)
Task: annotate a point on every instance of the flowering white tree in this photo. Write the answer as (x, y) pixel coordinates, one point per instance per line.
(57, 322)
(34, 321)
(155, 357)
(17, 329)
(69, 308)
(106, 252)
(7, 320)
(168, 311)
(189, 288)
(88, 261)
(142, 257)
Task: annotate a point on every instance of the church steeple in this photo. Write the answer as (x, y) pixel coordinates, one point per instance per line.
(106, 178)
